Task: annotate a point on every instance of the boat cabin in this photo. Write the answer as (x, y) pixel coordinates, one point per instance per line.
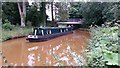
(50, 30)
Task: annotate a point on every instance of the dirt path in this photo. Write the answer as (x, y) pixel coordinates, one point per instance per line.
(64, 50)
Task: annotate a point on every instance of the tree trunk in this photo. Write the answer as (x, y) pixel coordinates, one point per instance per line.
(52, 12)
(24, 8)
(43, 11)
(22, 13)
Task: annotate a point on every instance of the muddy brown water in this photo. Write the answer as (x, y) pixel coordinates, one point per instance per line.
(63, 50)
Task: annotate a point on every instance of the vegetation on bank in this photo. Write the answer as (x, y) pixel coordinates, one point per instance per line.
(103, 46)
(17, 31)
(9, 31)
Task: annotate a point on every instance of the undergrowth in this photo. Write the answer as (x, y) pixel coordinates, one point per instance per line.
(17, 31)
(103, 46)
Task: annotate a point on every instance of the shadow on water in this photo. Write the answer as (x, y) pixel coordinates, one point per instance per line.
(64, 50)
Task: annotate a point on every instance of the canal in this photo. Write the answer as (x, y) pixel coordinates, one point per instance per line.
(64, 50)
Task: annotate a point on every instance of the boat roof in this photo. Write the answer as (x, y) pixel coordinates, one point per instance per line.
(79, 22)
(50, 27)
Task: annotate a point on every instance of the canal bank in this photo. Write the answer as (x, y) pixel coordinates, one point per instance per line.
(65, 50)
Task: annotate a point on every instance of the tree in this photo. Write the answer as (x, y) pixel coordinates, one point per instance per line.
(43, 12)
(112, 11)
(92, 12)
(33, 15)
(10, 12)
(74, 10)
(96, 12)
(22, 12)
(37, 14)
(62, 10)
(52, 11)
(0, 10)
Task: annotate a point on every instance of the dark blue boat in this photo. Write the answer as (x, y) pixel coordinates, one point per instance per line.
(46, 33)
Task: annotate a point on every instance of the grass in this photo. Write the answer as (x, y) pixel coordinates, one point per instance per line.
(17, 31)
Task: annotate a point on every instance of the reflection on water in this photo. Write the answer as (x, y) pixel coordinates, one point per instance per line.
(33, 48)
(64, 50)
(31, 59)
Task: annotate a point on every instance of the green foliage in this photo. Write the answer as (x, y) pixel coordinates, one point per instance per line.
(0, 10)
(7, 25)
(95, 12)
(34, 16)
(29, 24)
(74, 10)
(10, 12)
(43, 13)
(17, 31)
(62, 14)
(103, 46)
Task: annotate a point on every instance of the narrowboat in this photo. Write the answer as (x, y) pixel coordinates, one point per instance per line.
(46, 33)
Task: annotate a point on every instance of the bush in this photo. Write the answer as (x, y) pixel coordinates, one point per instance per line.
(103, 46)
(7, 25)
